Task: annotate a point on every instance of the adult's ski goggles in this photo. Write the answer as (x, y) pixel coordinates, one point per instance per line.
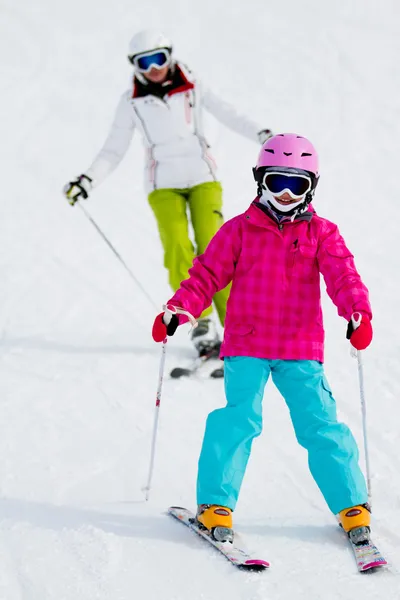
(146, 61)
(277, 183)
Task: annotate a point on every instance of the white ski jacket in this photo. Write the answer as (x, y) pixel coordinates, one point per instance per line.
(172, 131)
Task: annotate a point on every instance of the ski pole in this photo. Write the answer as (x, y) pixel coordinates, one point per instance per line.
(364, 421)
(117, 254)
(358, 354)
(156, 415)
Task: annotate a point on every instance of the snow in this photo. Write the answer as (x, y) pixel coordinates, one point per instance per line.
(78, 368)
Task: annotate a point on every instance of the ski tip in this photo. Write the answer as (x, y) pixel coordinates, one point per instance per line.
(373, 566)
(256, 564)
(217, 373)
(178, 372)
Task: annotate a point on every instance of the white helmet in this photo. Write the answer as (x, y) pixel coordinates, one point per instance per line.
(147, 40)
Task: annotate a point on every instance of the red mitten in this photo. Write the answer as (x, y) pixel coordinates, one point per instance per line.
(161, 330)
(359, 331)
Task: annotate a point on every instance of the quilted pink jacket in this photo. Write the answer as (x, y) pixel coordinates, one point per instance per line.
(274, 308)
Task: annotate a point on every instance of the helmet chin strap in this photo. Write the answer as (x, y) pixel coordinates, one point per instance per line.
(291, 209)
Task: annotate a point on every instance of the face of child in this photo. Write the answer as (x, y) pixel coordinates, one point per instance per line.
(157, 75)
(286, 199)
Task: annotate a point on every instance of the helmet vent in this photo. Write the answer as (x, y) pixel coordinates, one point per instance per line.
(271, 150)
(306, 154)
(288, 153)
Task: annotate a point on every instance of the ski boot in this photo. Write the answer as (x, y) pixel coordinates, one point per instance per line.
(217, 520)
(356, 523)
(205, 337)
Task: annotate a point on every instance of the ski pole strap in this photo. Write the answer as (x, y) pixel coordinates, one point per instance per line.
(356, 322)
(170, 310)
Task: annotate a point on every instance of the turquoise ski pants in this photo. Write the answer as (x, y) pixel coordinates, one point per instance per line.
(229, 434)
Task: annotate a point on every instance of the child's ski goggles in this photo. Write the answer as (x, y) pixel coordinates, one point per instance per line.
(277, 183)
(146, 61)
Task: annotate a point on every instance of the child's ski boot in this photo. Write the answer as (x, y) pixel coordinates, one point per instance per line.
(217, 520)
(356, 523)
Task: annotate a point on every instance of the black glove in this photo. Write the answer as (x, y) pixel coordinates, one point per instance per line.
(77, 189)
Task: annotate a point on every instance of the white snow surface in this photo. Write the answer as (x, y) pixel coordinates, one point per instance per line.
(78, 367)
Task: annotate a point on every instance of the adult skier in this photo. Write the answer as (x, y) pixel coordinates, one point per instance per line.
(274, 254)
(165, 103)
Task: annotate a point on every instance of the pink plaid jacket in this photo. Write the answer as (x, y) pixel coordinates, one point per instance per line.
(274, 308)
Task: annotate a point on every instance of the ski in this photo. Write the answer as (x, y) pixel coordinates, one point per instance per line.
(234, 552)
(217, 373)
(196, 365)
(368, 557)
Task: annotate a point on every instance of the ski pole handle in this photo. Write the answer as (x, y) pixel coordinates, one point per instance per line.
(170, 310)
(356, 320)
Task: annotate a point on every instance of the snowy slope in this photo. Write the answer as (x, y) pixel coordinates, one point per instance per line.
(78, 368)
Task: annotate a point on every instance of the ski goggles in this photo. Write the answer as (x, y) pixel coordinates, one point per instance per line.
(277, 183)
(146, 61)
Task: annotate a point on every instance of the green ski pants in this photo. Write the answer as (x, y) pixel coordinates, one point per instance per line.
(170, 209)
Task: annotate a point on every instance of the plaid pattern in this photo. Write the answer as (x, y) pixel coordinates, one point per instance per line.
(274, 309)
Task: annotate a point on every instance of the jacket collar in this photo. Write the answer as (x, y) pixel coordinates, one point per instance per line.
(259, 215)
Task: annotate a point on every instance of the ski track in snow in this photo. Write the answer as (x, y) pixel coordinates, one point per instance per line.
(78, 367)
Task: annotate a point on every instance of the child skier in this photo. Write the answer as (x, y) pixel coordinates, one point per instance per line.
(274, 254)
(165, 103)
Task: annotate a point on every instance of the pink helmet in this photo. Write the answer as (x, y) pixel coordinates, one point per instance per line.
(289, 150)
(291, 153)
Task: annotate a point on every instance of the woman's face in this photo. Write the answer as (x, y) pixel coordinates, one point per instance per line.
(157, 75)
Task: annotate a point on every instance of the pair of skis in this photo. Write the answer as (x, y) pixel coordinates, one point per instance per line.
(368, 557)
